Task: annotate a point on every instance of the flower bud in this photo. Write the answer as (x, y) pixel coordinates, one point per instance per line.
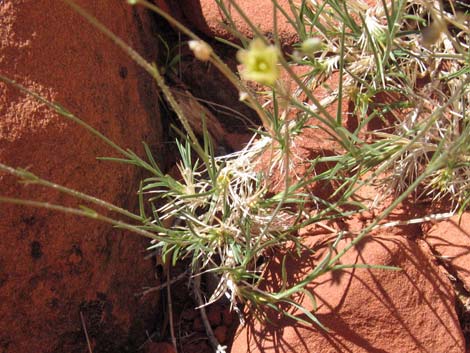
(243, 96)
(202, 51)
(311, 45)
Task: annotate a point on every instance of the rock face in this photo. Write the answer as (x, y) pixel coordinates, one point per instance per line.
(366, 310)
(451, 238)
(207, 17)
(59, 273)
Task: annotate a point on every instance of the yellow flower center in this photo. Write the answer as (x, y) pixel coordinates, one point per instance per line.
(260, 62)
(261, 65)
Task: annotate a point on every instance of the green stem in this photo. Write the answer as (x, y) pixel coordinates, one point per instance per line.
(80, 212)
(29, 177)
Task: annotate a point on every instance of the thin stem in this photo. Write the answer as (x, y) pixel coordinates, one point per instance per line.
(31, 178)
(89, 213)
(170, 309)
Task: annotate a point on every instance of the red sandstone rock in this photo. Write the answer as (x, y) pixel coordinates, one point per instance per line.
(366, 310)
(54, 266)
(206, 16)
(451, 238)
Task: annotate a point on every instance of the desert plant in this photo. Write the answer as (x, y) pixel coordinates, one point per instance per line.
(225, 213)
